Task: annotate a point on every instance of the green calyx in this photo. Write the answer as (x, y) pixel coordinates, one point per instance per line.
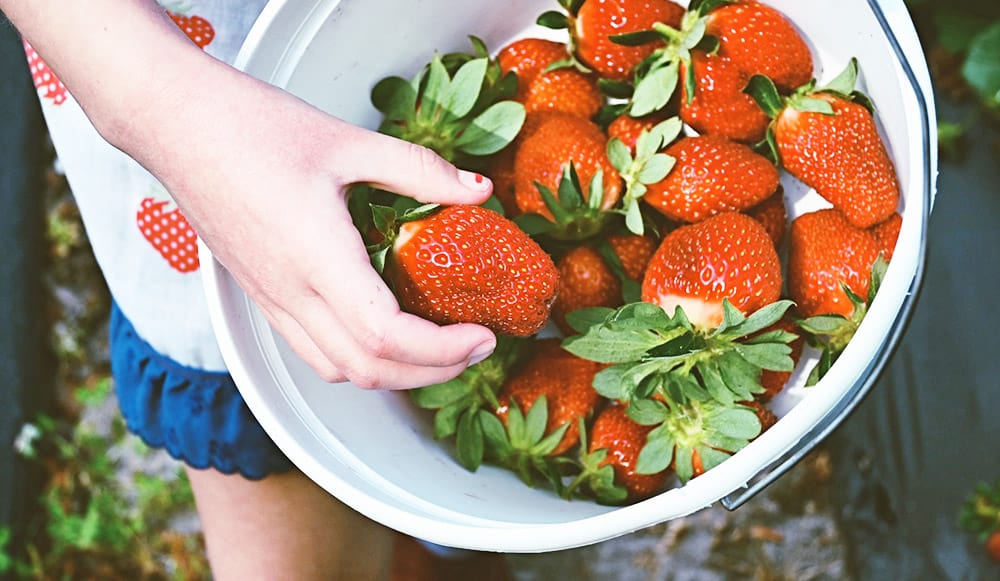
(647, 167)
(655, 355)
(711, 429)
(522, 445)
(464, 405)
(387, 220)
(574, 216)
(458, 105)
(657, 76)
(595, 479)
(831, 333)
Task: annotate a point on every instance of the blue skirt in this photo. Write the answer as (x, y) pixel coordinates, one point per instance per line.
(199, 417)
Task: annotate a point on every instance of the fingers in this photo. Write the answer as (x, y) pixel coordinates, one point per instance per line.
(356, 359)
(364, 306)
(414, 171)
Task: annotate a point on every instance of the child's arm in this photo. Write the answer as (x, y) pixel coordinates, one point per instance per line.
(262, 177)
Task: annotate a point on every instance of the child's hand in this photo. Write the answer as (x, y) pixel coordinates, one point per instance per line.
(263, 179)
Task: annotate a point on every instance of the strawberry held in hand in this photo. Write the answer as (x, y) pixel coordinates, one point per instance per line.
(828, 139)
(466, 264)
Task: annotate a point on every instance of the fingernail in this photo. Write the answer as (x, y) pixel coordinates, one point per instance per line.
(473, 180)
(482, 352)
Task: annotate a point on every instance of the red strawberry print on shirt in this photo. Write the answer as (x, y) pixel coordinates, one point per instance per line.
(169, 233)
(200, 31)
(45, 80)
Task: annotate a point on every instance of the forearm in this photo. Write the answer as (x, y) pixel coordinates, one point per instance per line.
(120, 59)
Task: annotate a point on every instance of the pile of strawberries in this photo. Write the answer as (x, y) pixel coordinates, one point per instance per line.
(638, 208)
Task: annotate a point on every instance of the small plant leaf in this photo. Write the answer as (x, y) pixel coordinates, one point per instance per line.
(463, 92)
(553, 19)
(493, 129)
(654, 90)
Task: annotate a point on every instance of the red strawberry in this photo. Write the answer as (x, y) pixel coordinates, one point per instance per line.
(628, 129)
(527, 58)
(719, 106)
(993, 546)
(598, 20)
(588, 279)
(501, 165)
(585, 280)
(44, 79)
(728, 256)
(169, 233)
(825, 251)
(545, 156)
(200, 31)
(711, 175)
(887, 233)
(564, 90)
(758, 39)
(634, 252)
(441, 270)
(623, 438)
(772, 214)
(830, 142)
(565, 381)
(842, 157)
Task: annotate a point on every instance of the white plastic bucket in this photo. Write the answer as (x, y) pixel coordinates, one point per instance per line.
(374, 450)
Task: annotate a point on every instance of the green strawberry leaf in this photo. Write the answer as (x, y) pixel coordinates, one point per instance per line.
(654, 90)
(658, 453)
(879, 269)
(711, 376)
(766, 94)
(534, 422)
(738, 422)
(441, 394)
(667, 131)
(648, 412)
(633, 219)
(446, 421)
(619, 155)
(760, 319)
(395, 97)
(823, 324)
(767, 355)
(615, 89)
(581, 320)
(469, 440)
(463, 92)
(656, 168)
(637, 38)
(496, 443)
(811, 105)
(434, 92)
(843, 84)
(534, 224)
(553, 19)
(710, 457)
(609, 382)
(493, 129)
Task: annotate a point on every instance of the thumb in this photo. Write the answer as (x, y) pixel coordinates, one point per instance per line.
(415, 171)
